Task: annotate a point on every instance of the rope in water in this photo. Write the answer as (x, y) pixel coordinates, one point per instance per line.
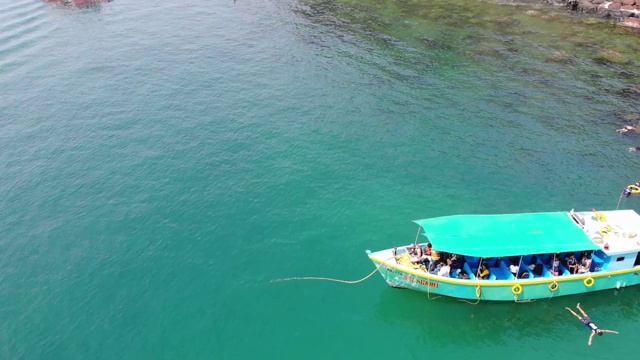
(469, 302)
(351, 282)
(619, 202)
(332, 279)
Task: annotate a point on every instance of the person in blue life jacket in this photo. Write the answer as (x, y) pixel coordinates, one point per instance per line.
(587, 321)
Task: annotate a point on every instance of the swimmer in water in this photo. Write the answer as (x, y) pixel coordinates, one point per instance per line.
(587, 321)
(626, 129)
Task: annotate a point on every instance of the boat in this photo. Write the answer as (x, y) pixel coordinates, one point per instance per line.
(521, 243)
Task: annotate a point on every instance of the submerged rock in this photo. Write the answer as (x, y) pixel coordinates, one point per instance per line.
(631, 90)
(633, 22)
(506, 21)
(608, 56)
(561, 57)
(626, 12)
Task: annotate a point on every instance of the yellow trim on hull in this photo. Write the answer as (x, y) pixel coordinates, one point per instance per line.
(504, 282)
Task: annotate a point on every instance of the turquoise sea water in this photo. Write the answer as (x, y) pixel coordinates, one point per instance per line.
(162, 162)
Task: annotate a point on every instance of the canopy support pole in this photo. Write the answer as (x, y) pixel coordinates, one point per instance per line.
(519, 265)
(418, 234)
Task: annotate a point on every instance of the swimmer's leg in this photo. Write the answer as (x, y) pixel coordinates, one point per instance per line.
(582, 311)
(576, 315)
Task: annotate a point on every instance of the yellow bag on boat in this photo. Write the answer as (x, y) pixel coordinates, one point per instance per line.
(405, 260)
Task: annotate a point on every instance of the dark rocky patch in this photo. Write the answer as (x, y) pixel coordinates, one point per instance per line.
(560, 57)
(625, 12)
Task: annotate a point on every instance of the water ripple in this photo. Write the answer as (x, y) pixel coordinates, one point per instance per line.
(23, 25)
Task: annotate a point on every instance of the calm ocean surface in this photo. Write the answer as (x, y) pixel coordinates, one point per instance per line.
(161, 162)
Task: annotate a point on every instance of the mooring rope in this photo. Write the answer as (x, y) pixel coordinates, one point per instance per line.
(477, 287)
(469, 302)
(332, 279)
(429, 291)
(515, 299)
(619, 199)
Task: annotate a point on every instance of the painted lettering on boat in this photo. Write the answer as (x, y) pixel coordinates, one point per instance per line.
(392, 270)
(428, 283)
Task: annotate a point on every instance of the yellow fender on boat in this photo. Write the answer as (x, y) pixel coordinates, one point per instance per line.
(478, 291)
(516, 289)
(553, 286)
(588, 282)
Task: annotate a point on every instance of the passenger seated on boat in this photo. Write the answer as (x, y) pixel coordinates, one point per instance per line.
(555, 267)
(572, 263)
(444, 269)
(514, 269)
(585, 264)
(462, 274)
(412, 249)
(525, 275)
(537, 269)
(426, 255)
(415, 253)
(483, 272)
(427, 252)
(466, 268)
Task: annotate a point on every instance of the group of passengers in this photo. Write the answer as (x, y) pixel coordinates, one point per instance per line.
(444, 264)
(441, 263)
(578, 267)
(553, 264)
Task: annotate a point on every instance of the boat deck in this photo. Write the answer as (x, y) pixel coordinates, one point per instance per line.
(620, 230)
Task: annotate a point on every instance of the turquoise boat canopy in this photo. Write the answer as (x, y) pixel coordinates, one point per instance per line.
(506, 235)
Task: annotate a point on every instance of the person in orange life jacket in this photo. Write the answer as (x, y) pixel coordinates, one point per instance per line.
(426, 256)
(435, 260)
(587, 321)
